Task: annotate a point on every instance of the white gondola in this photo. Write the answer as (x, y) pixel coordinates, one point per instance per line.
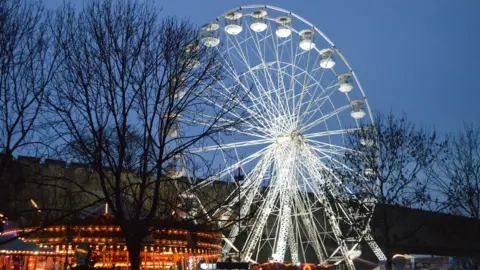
(190, 56)
(175, 173)
(178, 87)
(366, 136)
(209, 35)
(233, 23)
(284, 28)
(355, 253)
(180, 93)
(306, 40)
(368, 171)
(327, 60)
(367, 142)
(345, 84)
(172, 132)
(259, 21)
(358, 111)
(177, 157)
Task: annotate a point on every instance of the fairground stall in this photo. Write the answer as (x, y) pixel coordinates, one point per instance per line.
(177, 247)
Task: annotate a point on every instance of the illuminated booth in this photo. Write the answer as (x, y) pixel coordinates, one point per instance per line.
(174, 246)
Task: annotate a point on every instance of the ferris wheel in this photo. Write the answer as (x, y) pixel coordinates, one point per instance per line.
(301, 99)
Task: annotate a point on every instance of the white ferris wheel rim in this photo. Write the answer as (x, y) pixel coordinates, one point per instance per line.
(266, 139)
(317, 30)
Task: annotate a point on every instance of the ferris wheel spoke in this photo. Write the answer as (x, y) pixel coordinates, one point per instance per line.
(267, 73)
(304, 88)
(250, 182)
(316, 104)
(330, 148)
(261, 218)
(292, 72)
(306, 217)
(260, 222)
(195, 117)
(365, 232)
(368, 203)
(331, 133)
(335, 189)
(258, 108)
(316, 86)
(326, 153)
(306, 92)
(238, 129)
(253, 114)
(243, 60)
(229, 145)
(279, 52)
(231, 70)
(315, 164)
(268, 76)
(277, 106)
(286, 180)
(332, 217)
(324, 118)
(255, 177)
(227, 171)
(314, 161)
(249, 196)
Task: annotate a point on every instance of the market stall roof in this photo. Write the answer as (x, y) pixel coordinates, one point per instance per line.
(11, 243)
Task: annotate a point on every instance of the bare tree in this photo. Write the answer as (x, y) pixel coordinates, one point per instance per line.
(387, 166)
(27, 64)
(456, 175)
(456, 179)
(127, 82)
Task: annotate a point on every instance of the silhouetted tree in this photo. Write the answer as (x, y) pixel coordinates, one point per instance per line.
(387, 166)
(456, 175)
(27, 65)
(456, 178)
(126, 83)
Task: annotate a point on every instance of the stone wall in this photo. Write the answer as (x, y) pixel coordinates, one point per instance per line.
(424, 232)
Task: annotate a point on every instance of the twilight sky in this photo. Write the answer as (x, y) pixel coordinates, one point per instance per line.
(417, 57)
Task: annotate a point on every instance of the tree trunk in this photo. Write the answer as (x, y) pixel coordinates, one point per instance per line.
(133, 246)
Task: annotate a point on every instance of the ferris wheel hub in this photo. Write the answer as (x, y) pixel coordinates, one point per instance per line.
(289, 138)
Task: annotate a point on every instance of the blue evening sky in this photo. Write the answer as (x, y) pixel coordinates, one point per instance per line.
(419, 57)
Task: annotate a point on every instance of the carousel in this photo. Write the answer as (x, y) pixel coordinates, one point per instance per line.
(176, 246)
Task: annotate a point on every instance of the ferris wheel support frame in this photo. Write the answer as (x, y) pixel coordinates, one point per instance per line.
(283, 158)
